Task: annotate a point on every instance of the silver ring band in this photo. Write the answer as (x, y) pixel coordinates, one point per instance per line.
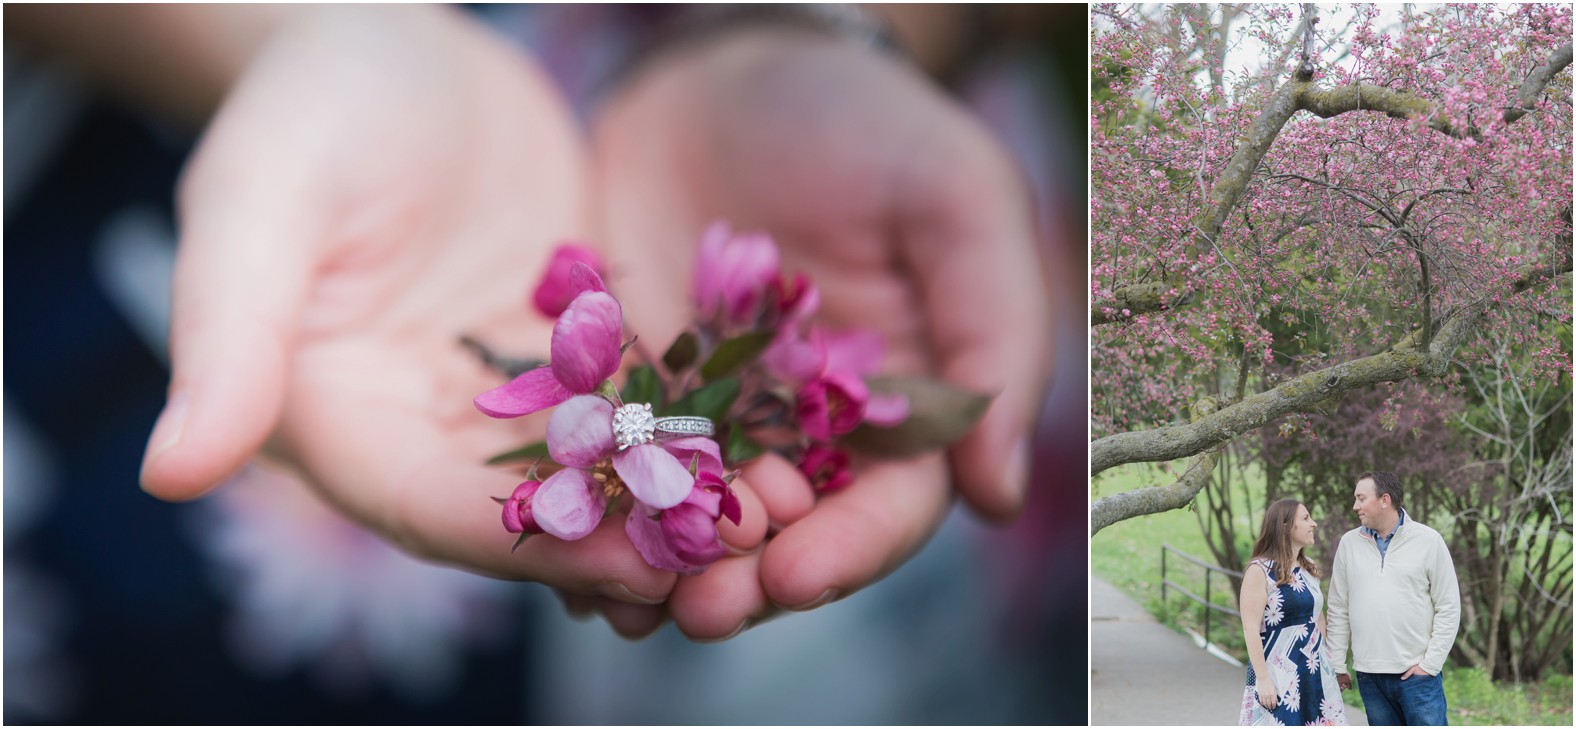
(633, 425)
(684, 426)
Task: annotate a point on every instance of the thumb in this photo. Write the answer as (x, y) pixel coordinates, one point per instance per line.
(973, 251)
(241, 274)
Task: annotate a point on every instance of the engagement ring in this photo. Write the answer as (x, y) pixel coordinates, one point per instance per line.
(634, 425)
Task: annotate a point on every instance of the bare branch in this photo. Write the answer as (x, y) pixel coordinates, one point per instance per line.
(1153, 500)
(1535, 83)
(1310, 18)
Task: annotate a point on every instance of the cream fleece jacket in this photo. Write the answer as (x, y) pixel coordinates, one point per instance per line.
(1394, 611)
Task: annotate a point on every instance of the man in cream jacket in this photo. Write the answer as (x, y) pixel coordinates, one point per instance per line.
(1395, 602)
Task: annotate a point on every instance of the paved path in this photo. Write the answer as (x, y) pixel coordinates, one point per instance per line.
(1143, 673)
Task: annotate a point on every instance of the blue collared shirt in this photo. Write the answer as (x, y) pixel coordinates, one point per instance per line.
(1383, 543)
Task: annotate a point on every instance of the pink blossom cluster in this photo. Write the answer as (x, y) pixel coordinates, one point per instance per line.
(678, 487)
(799, 378)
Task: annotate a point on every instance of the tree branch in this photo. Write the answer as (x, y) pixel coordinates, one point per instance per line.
(1327, 103)
(1153, 500)
(1535, 83)
(1137, 299)
(1402, 362)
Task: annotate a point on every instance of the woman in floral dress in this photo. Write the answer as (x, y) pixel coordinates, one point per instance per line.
(1290, 680)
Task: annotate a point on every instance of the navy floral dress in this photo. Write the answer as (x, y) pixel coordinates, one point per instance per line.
(1295, 657)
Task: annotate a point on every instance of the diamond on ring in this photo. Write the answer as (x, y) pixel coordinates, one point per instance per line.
(634, 425)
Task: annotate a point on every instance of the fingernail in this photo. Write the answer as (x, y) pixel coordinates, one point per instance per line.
(167, 431)
(825, 598)
(743, 626)
(619, 591)
(1017, 474)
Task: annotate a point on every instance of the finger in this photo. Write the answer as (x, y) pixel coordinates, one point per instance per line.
(857, 534)
(579, 607)
(631, 621)
(721, 602)
(751, 529)
(972, 245)
(781, 488)
(402, 475)
(240, 278)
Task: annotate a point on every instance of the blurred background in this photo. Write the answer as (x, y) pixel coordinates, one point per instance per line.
(259, 605)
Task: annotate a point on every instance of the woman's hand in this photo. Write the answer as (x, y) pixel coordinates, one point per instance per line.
(380, 181)
(913, 222)
(1269, 698)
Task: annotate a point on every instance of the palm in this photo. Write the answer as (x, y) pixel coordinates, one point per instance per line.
(857, 169)
(421, 191)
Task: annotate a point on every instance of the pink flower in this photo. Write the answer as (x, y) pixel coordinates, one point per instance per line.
(517, 516)
(684, 539)
(831, 405)
(571, 502)
(832, 398)
(826, 467)
(796, 300)
(559, 285)
(733, 272)
(585, 352)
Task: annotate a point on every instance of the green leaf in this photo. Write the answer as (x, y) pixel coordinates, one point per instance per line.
(523, 453)
(732, 355)
(939, 413)
(683, 352)
(643, 386)
(711, 401)
(740, 448)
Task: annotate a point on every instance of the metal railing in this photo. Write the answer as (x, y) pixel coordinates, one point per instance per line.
(1209, 570)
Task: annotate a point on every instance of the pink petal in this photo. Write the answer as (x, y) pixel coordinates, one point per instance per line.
(731, 508)
(857, 351)
(685, 449)
(653, 475)
(826, 467)
(586, 342)
(749, 266)
(713, 494)
(557, 287)
(645, 532)
(580, 432)
(886, 409)
(517, 514)
(796, 301)
(583, 278)
(794, 358)
(534, 390)
(846, 396)
(708, 267)
(812, 411)
(569, 504)
(707, 494)
(692, 534)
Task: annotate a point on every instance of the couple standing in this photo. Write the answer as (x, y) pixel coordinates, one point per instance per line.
(1393, 600)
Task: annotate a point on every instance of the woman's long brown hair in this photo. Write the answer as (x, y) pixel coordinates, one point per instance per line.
(1275, 541)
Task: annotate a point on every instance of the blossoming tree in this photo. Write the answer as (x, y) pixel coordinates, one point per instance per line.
(1287, 210)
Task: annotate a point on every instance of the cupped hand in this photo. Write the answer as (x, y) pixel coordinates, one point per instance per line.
(380, 181)
(912, 221)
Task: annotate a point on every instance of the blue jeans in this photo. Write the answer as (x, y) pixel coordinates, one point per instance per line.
(1389, 701)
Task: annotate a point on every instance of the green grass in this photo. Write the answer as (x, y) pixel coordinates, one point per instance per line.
(1127, 555)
